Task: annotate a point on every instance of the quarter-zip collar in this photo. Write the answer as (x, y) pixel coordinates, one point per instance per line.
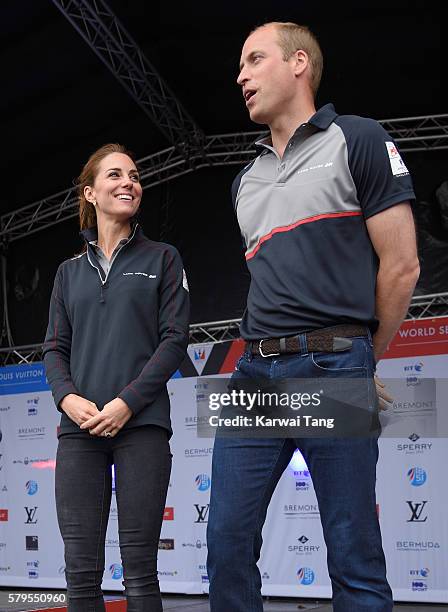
(90, 235)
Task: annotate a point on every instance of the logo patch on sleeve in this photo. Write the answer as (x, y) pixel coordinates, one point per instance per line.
(184, 280)
(396, 163)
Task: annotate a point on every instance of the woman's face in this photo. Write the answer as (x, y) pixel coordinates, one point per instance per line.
(116, 190)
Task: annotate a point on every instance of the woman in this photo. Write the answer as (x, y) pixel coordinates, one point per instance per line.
(118, 329)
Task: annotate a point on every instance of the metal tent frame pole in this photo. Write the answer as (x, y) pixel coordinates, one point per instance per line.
(431, 306)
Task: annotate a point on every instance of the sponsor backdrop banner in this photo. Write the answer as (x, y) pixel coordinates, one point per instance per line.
(411, 491)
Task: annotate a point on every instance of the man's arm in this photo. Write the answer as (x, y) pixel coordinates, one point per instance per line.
(392, 233)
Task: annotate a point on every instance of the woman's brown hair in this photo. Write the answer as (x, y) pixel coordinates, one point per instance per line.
(87, 214)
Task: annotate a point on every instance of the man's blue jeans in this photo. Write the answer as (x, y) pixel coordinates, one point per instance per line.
(246, 471)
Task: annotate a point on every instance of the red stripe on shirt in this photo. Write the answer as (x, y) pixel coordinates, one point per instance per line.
(287, 228)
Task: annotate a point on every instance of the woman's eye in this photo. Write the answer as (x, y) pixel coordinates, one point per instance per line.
(113, 174)
(135, 178)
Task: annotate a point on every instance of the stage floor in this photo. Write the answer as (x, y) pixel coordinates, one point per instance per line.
(187, 603)
(195, 604)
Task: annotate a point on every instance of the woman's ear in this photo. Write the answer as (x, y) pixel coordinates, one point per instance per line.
(88, 194)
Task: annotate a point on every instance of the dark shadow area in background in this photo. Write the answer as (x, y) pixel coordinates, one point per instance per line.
(61, 103)
(194, 212)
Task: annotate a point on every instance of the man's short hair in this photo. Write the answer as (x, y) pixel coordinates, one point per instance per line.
(293, 37)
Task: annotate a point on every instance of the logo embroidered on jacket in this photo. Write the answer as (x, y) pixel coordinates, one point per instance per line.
(184, 281)
(139, 274)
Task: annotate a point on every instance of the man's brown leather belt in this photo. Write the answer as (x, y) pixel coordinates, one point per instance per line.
(326, 340)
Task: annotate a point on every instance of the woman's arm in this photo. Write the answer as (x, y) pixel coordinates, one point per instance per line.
(57, 345)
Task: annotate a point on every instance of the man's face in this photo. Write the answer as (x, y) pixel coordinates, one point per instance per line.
(267, 80)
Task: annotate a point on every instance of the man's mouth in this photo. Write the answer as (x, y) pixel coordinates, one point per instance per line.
(249, 94)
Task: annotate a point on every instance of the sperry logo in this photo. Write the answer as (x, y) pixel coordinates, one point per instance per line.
(139, 274)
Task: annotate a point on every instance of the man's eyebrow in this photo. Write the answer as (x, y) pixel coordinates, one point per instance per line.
(250, 56)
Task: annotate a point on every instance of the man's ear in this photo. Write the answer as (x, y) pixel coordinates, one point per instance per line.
(301, 62)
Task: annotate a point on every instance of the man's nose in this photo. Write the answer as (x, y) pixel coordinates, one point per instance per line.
(242, 77)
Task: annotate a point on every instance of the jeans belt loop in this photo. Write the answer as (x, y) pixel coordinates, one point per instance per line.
(303, 344)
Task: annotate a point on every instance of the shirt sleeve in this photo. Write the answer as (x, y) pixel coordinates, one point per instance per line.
(234, 194)
(377, 168)
(57, 345)
(174, 319)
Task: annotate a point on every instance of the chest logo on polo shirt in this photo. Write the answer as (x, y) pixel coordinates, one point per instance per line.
(139, 274)
(316, 167)
(396, 163)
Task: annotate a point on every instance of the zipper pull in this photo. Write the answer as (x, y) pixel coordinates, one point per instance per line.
(102, 300)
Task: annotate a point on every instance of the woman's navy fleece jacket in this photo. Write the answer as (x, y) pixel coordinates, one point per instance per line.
(121, 335)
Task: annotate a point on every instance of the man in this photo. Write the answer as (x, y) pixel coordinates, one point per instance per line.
(325, 215)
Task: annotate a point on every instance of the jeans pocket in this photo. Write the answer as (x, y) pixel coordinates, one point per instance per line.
(352, 360)
(240, 360)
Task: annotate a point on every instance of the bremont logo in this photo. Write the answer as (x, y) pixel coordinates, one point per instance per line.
(139, 274)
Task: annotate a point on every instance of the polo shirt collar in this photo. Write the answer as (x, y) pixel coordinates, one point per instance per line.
(322, 119)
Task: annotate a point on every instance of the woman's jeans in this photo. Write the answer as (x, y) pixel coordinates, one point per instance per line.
(142, 461)
(246, 471)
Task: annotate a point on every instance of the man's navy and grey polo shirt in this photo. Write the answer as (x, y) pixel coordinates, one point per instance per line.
(302, 217)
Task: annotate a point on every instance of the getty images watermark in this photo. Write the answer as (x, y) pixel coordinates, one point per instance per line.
(321, 407)
(259, 400)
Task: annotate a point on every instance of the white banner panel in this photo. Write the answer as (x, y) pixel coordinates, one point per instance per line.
(411, 492)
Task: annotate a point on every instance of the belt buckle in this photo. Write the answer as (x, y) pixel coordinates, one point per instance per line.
(260, 349)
